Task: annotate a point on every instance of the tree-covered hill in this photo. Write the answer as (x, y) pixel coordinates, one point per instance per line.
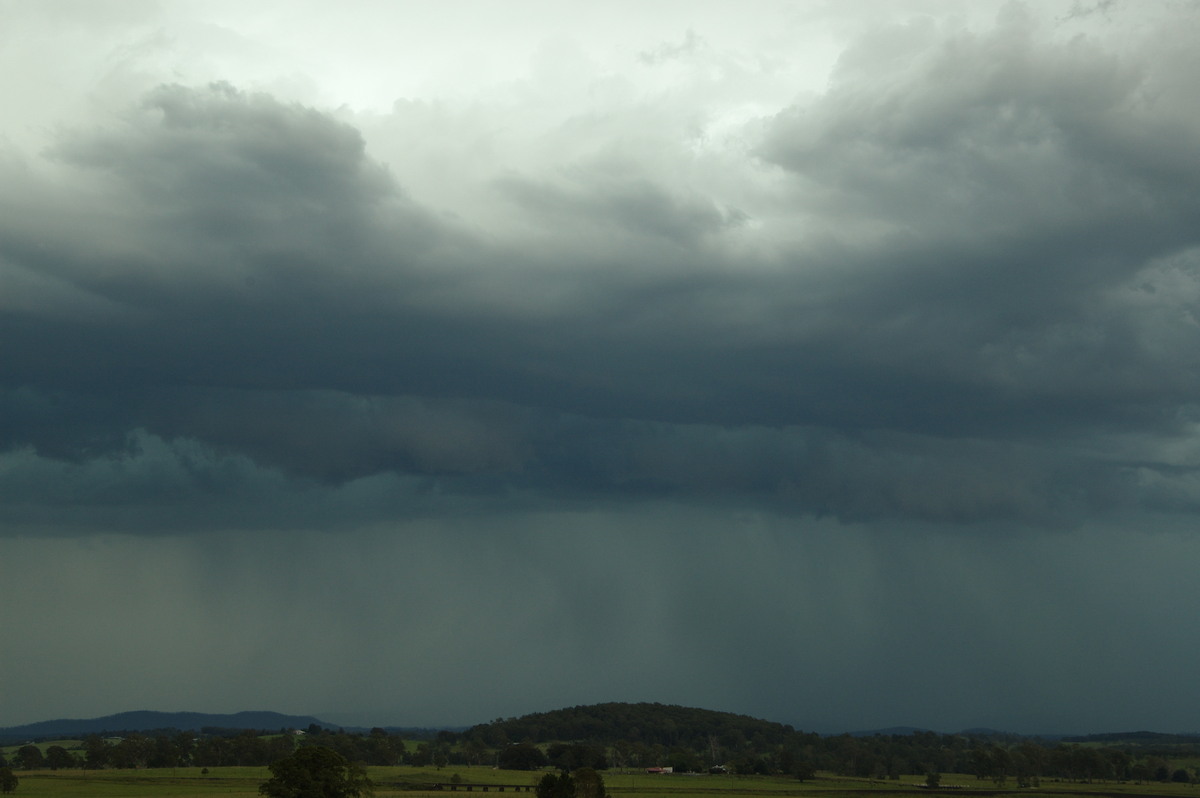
(688, 739)
(645, 723)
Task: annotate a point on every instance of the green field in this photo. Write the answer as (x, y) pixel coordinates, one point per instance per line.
(415, 783)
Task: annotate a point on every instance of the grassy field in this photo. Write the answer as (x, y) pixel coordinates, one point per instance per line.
(140, 783)
(415, 783)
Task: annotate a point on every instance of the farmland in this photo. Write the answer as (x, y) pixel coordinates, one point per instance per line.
(413, 782)
(710, 753)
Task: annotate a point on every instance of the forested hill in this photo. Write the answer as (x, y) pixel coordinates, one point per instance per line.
(696, 740)
(647, 724)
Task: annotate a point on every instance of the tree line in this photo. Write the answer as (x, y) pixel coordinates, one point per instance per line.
(187, 749)
(602, 737)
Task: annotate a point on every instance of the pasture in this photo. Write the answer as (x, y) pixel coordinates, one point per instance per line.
(242, 782)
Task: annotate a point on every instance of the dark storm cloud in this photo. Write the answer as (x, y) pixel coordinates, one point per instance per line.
(841, 400)
(337, 461)
(976, 289)
(1012, 197)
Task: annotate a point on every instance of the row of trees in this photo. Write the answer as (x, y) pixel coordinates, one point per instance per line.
(318, 772)
(179, 749)
(564, 756)
(1027, 762)
(183, 749)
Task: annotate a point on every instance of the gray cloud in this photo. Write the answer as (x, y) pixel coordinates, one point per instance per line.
(985, 261)
(243, 459)
(1005, 200)
(663, 356)
(629, 206)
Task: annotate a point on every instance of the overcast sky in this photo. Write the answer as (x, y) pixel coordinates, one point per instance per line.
(414, 363)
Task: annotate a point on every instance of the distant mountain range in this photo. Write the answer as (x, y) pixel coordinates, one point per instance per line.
(145, 720)
(1139, 737)
(607, 720)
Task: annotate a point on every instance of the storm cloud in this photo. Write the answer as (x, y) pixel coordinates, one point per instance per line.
(651, 334)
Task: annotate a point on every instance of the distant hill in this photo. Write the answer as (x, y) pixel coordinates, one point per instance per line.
(650, 724)
(901, 731)
(1139, 738)
(142, 721)
(646, 723)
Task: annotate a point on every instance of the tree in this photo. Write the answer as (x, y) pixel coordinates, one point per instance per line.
(981, 761)
(522, 756)
(422, 757)
(572, 756)
(474, 750)
(804, 771)
(682, 760)
(8, 780)
(560, 786)
(933, 779)
(59, 757)
(133, 751)
(583, 783)
(248, 748)
(29, 757)
(588, 784)
(315, 772)
(95, 752)
(382, 748)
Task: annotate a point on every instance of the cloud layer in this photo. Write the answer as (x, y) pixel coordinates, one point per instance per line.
(949, 295)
